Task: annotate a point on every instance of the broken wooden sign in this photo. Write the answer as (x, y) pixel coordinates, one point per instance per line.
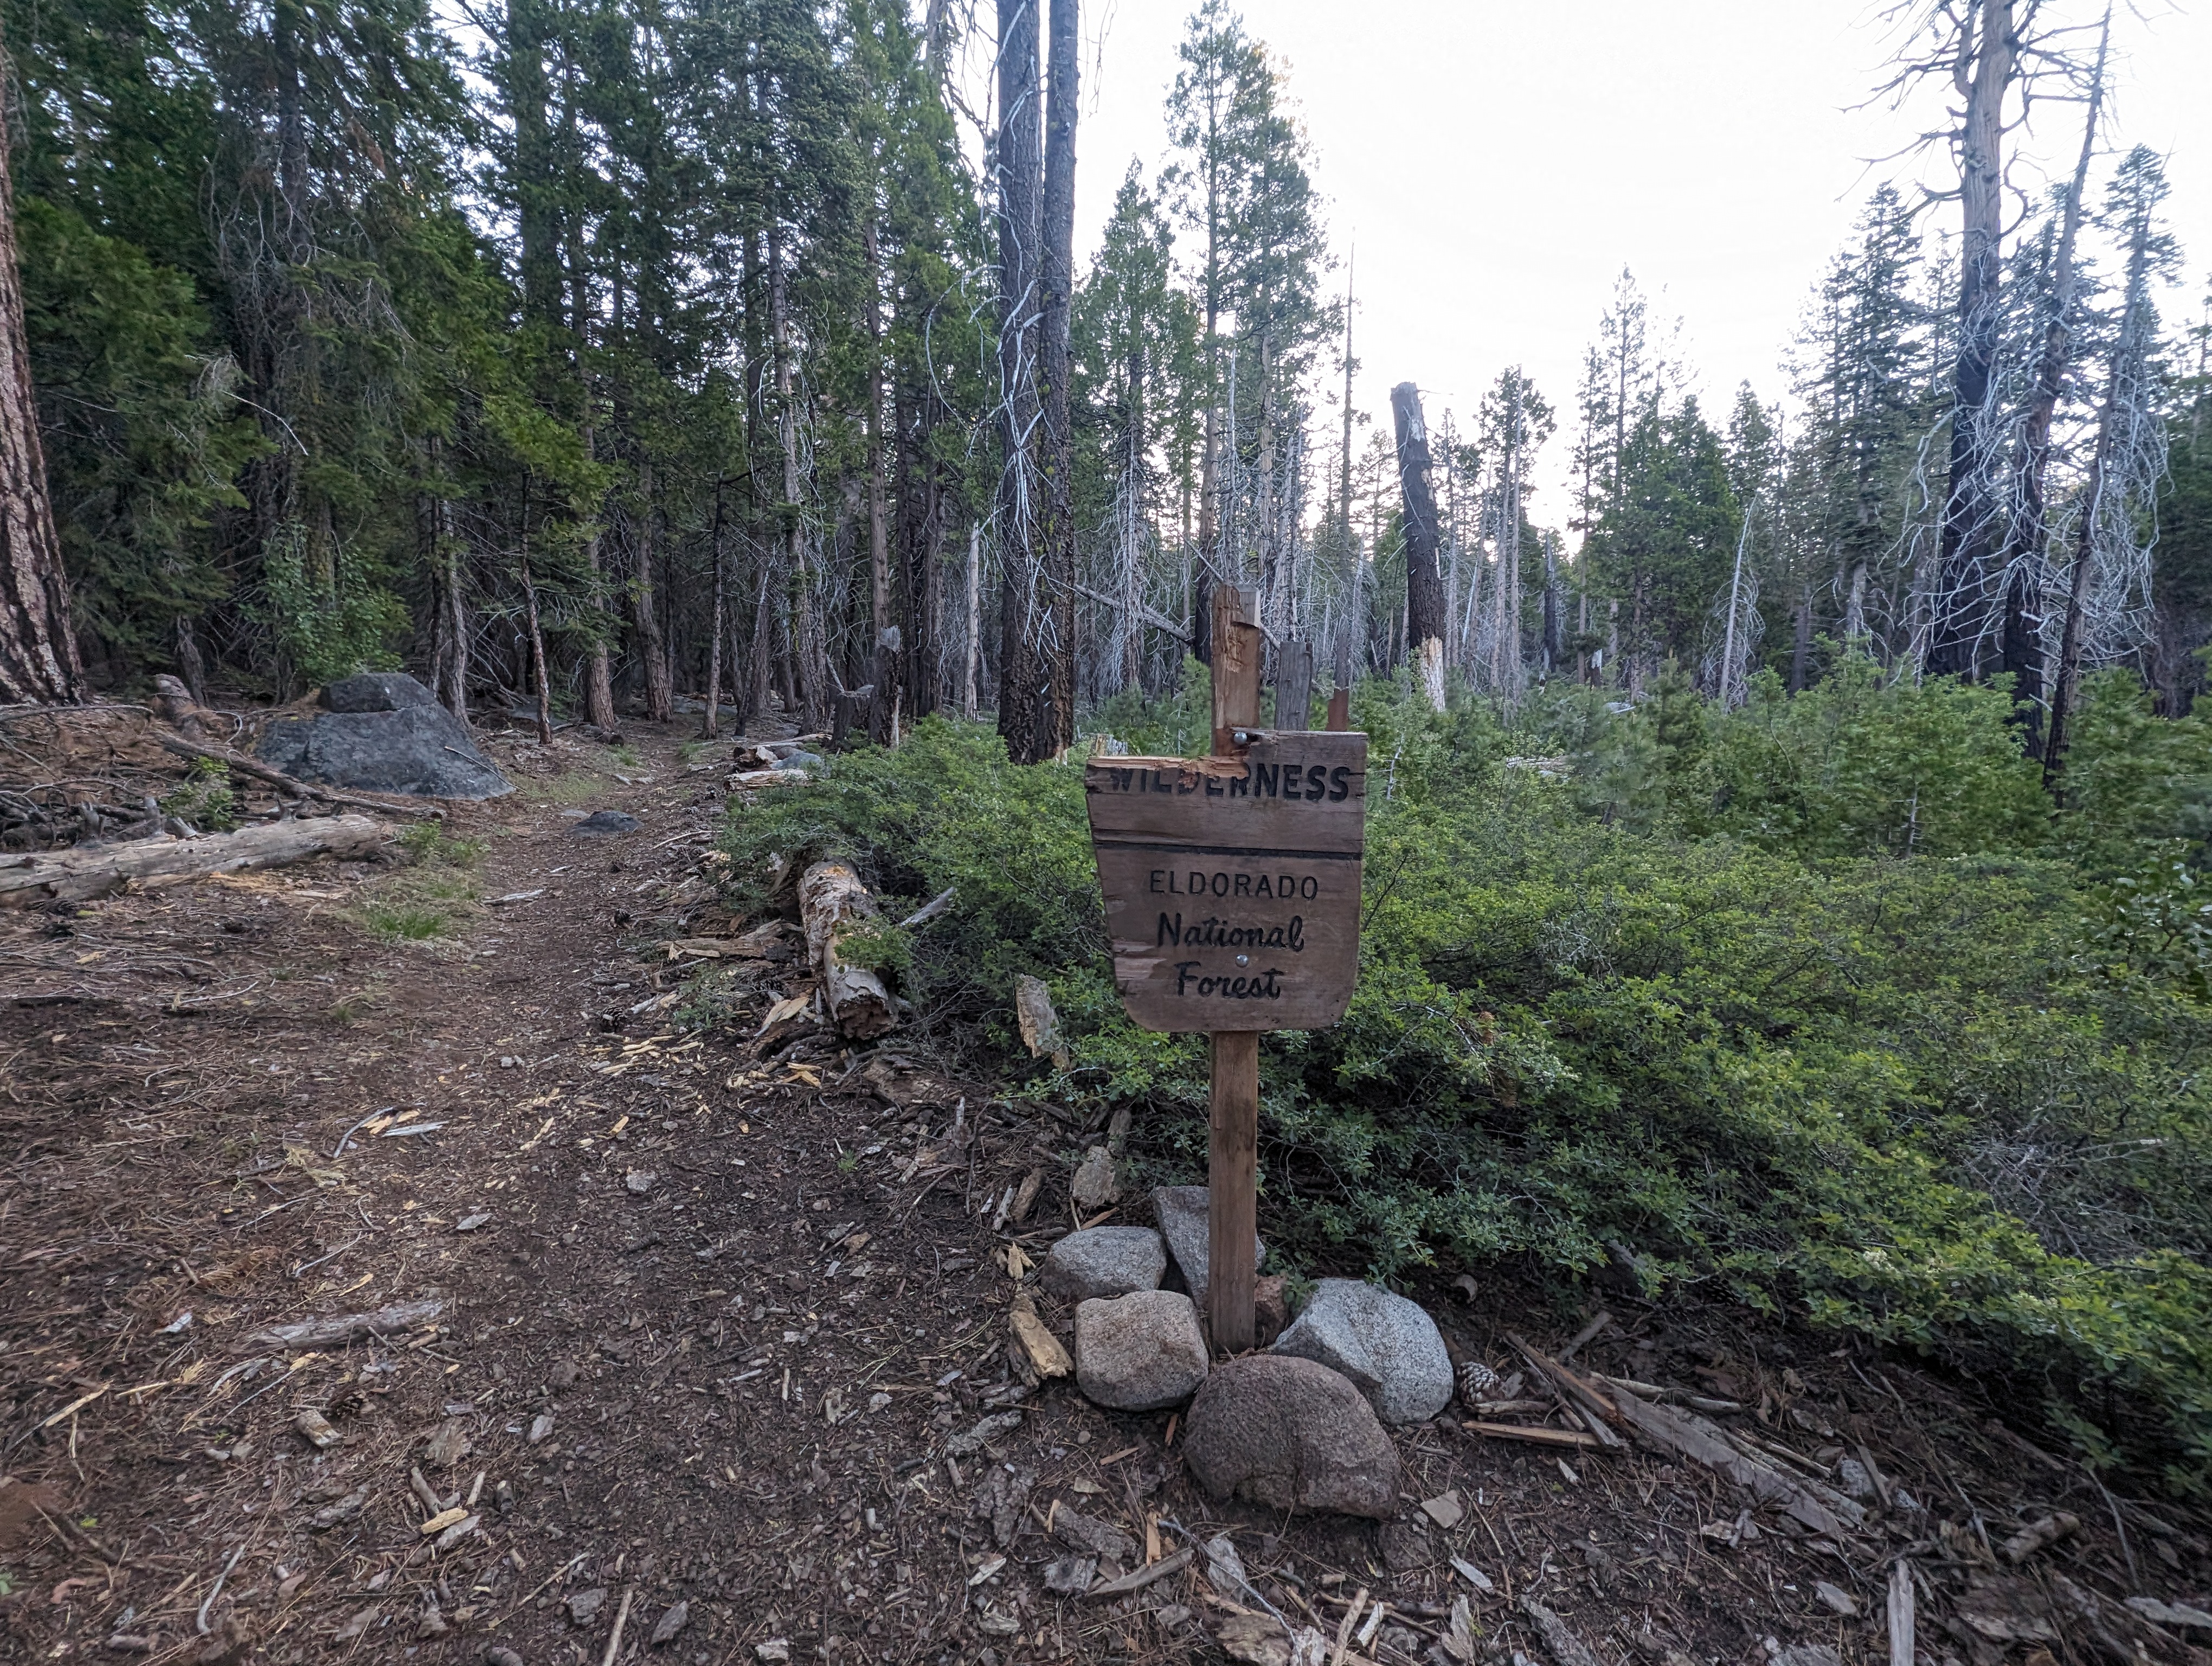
(1232, 883)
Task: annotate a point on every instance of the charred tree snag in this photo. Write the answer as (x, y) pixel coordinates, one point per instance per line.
(1424, 590)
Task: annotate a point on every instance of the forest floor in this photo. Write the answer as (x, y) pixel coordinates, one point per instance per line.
(718, 1356)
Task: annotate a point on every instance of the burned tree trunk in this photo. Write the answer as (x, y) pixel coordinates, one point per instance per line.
(1424, 590)
(1056, 723)
(1020, 189)
(38, 662)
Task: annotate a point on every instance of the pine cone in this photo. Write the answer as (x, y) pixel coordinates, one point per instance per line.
(1477, 1380)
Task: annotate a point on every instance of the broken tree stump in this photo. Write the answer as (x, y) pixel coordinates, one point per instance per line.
(832, 904)
(71, 875)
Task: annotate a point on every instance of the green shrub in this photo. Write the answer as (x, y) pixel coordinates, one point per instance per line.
(1697, 1005)
(204, 802)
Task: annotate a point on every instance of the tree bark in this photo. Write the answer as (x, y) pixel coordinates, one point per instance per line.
(1425, 594)
(809, 677)
(76, 875)
(975, 622)
(1064, 46)
(652, 646)
(721, 619)
(884, 634)
(1020, 224)
(2073, 633)
(832, 904)
(1985, 72)
(38, 662)
(2022, 644)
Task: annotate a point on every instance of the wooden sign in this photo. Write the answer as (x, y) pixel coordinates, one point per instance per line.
(1232, 897)
(1232, 883)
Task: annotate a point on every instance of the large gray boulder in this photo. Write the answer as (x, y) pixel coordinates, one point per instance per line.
(383, 731)
(1385, 1345)
(1289, 1434)
(376, 691)
(1104, 1261)
(1140, 1352)
(1181, 1213)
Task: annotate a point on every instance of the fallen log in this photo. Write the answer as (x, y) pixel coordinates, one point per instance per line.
(73, 876)
(833, 904)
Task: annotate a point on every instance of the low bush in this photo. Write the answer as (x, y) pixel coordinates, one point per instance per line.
(1815, 1003)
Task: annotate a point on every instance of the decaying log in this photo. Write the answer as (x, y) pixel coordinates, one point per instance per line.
(832, 904)
(1685, 1434)
(75, 875)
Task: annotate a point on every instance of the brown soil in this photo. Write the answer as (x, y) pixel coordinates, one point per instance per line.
(743, 1372)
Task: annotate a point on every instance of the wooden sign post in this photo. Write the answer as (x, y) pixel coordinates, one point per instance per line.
(1232, 897)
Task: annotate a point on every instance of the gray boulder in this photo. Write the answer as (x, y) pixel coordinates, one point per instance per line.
(1181, 1213)
(1385, 1345)
(383, 731)
(1289, 1434)
(1140, 1352)
(376, 692)
(1103, 1262)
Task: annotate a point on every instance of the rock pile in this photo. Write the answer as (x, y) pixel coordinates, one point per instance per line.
(1299, 1427)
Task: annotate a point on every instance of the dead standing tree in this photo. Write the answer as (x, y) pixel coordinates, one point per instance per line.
(1425, 591)
(1019, 165)
(1996, 61)
(2021, 648)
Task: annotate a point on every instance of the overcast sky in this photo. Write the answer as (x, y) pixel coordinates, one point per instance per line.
(1496, 163)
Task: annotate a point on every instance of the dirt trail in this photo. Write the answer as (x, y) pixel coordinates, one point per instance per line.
(719, 1355)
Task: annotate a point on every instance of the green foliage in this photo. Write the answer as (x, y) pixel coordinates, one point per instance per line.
(205, 802)
(945, 810)
(325, 626)
(429, 841)
(426, 902)
(1864, 763)
(2135, 783)
(142, 432)
(1949, 1099)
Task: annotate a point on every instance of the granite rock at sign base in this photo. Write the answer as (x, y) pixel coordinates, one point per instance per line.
(1181, 1213)
(1140, 1352)
(1388, 1347)
(1104, 1261)
(1290, 1434)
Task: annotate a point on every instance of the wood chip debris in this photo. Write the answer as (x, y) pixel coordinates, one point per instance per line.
(1144, 1576)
